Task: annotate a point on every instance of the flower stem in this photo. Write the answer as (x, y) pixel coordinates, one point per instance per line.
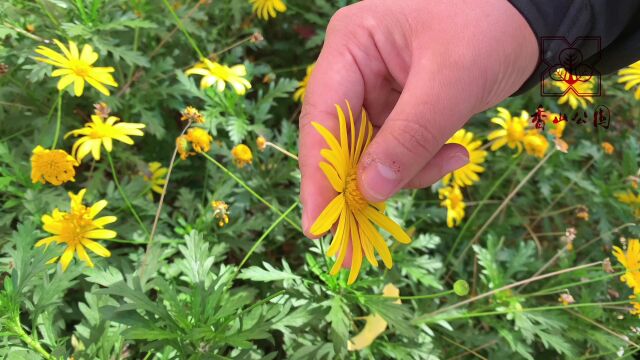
(250, 190)
(184, 31)
(17, 329)
(294, 157)
(58, 122)
(124, 195)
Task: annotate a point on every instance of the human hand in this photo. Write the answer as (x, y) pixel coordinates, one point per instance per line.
(421, 69)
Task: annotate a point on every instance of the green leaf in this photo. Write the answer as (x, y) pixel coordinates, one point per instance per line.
(266, 274)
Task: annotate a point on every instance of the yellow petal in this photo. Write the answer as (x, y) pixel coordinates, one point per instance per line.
(386, 223)
(66, 257)
(96, 248)
(356, 257)
(100, 234)
(82, 254)
(332, 176)
(328, 216)
(336, 242)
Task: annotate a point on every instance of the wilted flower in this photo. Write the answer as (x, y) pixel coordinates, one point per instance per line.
(218, 75)
(200, 139)
(99, 133)
(76, 67)
(354, 215)
(607, 148)
(192, 114)
(53, 166)
(261, 143)
(566, 299)
(241, 155)
(101, 109)
(184, 147)
(453, 200)
(569, 236)
(268, 8)
(375, 325)
(78, 229)
(468, 174)
(302, 88)
(583, 213)
(220, 212)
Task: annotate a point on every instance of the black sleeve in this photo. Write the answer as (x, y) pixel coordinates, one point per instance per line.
(606, 33)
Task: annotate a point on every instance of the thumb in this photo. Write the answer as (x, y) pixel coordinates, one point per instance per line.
(423, 119)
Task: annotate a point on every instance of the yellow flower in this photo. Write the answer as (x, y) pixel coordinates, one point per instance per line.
(268, 8)
(631, 262)
(192, 114)
(453, 200)
(631, 76)
(535, 143)
(261, 143)
(557, 129)
(184, 147)
(214, 74)
(575, 97)
(512, 132)
(78, 229)
(608, 148)
(53, 166)
(636, 305)
(241, 155)
(631, 199)
(200, 139)
(102, 132)
(353, 213)
(155, 176)
(468, 174)
(220, 212)
(302, 88)
(76, 67)
(374, 325)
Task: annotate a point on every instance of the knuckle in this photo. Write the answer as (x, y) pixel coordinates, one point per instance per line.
(414, 138)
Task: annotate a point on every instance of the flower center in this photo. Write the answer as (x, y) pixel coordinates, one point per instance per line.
(516, 132)
(352, 193)
(81, 69)
(75, 225)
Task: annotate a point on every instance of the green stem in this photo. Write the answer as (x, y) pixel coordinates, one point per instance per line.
(58, 122)
(250, 190)
(16, 328)
(124, 196)
(554, 289)
(422, 297)
(264, 236)
(476, 211)
(184, 31)
(53, 19)
(502, 312)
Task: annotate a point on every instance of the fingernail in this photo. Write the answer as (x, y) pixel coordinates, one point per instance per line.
(457, 160)
(380, 182)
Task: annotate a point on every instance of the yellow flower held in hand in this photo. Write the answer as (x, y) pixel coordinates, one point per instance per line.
(100, 132)
(241, 155)
(76, 67)
(375, 325)
(78, 229)
(53, 166)
(468, 174)
(302, 88)
(453, 200)
(268, 8)
(512, 132)
(214, 74)
(631, 262)
(630, 76)
(353, 213)
(155, 176)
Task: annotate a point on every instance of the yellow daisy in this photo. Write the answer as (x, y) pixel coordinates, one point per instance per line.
(608, 148)
(220, 212)
(76, 67)
(535, 143)
(631, 76)
(579, 87)
(155, 176)
(268, 8)
(184, 147)
(512, 132)
(630, 259)
(102, 132)
(631, 199)
(453, 200)
(557, 129)
(53, 166)
(354, 214)
(200, 139)
(218, 75)
(302, 88)
(468, 174)
(78, 229)
(241, 155)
